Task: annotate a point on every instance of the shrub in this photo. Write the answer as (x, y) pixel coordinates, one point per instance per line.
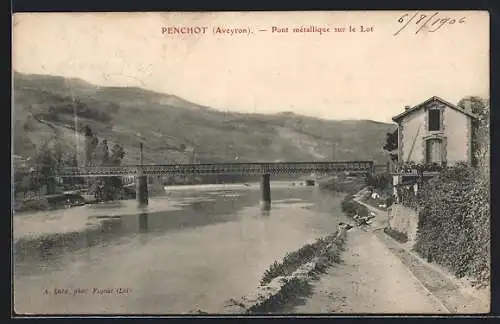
(33, 205)
(454, 222)
(293, 290)
(398, 236)
(351, 207)
(343, 186)
(379, 181)
(293, 260)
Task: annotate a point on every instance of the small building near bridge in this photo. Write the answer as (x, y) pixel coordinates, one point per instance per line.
(434, 132)
(431, 135)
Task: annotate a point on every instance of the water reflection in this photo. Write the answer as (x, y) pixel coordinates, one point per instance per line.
(143, 222)
(195, 209)
(216, 245)
(265, 213)
(215, 209)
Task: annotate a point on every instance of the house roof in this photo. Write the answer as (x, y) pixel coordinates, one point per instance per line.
(434, 98)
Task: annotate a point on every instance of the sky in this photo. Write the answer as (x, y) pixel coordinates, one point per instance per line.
(332, 75)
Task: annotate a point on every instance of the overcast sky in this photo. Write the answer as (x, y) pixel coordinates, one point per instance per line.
(370, 75)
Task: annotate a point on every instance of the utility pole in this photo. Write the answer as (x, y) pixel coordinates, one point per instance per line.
(337, 142)
(75, 117)
(141, 157)
(192, 157)
(191, 179)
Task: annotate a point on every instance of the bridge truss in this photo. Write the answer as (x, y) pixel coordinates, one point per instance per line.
(255, 168)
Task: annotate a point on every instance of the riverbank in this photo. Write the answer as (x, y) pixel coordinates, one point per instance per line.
(379, 275)
(457, 295)
(57, 224)
(288, 281)
(73, 199)
(370, 279)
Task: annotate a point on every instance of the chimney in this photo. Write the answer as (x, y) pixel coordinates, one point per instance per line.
(407, 107)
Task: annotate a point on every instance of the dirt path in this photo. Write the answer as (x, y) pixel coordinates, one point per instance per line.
(457, 295)
(458, 298)
(379, 275)
(371, 279)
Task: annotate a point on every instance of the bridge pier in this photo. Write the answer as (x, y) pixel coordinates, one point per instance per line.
(141, 190)
(143, 222)
(141, 184)
(265, 191)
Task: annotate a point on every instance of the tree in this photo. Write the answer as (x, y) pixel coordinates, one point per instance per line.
(58, 155)
(24, 182)
(106, 188)
(391, 144)
(379, 181)
(117, 154)
(480, 128)
(70, 160)
(91, 143)
(46, 166)
(110, 187)
(103, 153)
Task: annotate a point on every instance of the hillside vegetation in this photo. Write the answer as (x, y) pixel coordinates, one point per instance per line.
(171, 127)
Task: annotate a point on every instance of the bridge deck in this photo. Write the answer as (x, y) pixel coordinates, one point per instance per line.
(222, 168)
(255, 168)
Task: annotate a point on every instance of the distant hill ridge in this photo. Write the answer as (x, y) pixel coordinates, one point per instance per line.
(171, 127)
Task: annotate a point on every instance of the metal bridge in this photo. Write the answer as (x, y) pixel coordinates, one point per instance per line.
(254, 168)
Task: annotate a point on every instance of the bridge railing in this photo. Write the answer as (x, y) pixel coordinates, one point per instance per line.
(221, 168)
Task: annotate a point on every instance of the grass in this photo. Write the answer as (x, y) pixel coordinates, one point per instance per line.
(296, 289)
(350, 186)
(293, 292)
(292, 261)
(351, 207)
(398, 236)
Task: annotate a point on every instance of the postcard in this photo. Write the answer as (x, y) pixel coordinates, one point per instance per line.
(242, 163)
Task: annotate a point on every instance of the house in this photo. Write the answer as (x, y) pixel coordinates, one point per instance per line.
(432, 133)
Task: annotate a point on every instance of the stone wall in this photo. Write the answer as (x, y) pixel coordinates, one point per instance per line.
(404, 220)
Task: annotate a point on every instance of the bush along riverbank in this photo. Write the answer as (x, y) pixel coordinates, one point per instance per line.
(289, 280)
(66, 200)
(348, 186)
(454, 223)
(350, 207)
(396, 235)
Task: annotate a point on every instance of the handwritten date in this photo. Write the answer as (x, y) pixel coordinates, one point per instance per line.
(427, 22)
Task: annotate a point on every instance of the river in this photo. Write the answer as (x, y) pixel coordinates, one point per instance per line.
(191, 249)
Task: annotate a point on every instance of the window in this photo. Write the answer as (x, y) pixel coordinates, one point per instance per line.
(434, 120)
(434, 151)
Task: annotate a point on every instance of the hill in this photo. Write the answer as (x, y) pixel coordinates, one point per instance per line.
(171, 127)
